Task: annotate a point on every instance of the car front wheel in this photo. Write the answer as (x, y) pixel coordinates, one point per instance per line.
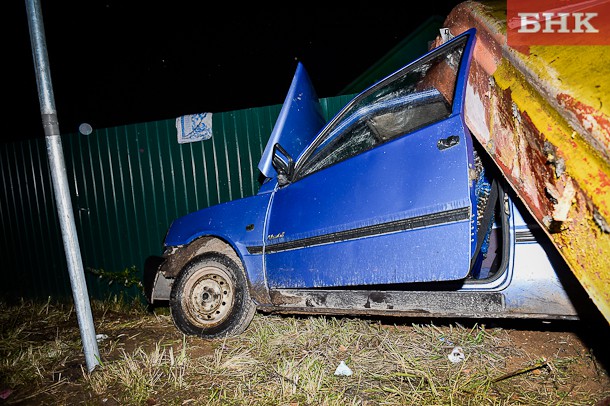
(210, 298)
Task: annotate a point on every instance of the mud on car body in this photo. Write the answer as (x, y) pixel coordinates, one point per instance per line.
(390, 208)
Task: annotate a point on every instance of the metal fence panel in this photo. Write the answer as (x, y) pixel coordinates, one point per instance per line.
(127, 185)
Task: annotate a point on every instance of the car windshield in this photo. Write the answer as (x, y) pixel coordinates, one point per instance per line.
(416, 96)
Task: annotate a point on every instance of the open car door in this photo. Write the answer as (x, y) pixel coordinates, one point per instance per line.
(382, 195)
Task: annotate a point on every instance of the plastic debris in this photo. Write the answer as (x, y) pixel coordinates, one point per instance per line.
(343, 370)
(456, 355)
(5, 393)
(443, 339)
(101, 337)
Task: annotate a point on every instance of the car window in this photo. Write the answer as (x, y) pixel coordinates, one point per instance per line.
(416, 96)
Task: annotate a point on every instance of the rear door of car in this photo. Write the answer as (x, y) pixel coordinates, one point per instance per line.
(383, 194)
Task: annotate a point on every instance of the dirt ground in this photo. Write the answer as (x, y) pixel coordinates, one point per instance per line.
(577, 351)
(588, 372)
(586, 346)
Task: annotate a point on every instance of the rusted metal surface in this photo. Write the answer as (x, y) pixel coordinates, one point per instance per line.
(178, 257)
(400, 304)
(388, 302)
(259, 292)
(544, 118)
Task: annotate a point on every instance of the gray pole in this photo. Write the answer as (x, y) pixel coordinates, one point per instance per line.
(60, 184)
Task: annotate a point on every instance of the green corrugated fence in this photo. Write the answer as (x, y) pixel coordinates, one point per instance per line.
(127, 185)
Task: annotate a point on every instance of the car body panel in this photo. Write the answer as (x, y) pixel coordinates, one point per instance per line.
(527, 287)
(299, 121)
(389, 229)
(389, 215)
(239, 222)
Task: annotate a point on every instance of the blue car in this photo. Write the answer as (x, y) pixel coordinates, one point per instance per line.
(391, 208)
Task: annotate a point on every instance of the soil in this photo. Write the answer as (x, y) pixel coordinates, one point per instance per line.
(584, 345)
(588, 349)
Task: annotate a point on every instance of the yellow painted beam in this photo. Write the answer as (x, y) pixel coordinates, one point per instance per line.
(544, 117)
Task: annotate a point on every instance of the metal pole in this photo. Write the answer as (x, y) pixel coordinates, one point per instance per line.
(60, 184)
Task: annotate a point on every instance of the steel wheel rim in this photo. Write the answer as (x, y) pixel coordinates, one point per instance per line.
(210, 296)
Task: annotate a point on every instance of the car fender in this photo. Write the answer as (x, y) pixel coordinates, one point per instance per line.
(239, 224)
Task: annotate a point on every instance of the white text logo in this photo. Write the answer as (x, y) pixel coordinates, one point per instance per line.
(557, 23)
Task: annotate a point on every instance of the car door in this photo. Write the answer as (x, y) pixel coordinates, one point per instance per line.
(382, 195)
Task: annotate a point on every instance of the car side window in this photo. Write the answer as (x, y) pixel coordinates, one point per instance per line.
(412, 98)
(369, 127)
(353, 137)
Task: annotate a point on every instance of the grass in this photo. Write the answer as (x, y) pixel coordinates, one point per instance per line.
(278, 361)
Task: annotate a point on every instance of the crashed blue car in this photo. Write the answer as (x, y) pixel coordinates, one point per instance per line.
(391, 208)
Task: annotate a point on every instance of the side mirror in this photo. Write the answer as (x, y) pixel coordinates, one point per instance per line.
(283, 164)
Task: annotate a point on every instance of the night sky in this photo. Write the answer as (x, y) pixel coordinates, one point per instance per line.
(123, 62)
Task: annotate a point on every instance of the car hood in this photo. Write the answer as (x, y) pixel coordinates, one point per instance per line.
(299, 121)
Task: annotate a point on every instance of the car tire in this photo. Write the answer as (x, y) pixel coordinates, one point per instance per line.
(210, 298)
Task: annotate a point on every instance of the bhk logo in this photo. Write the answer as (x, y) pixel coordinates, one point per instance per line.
(558, 22)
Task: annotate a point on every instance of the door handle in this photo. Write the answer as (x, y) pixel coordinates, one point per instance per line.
(448, 142)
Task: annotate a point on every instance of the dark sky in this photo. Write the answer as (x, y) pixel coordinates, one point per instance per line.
(118, 62)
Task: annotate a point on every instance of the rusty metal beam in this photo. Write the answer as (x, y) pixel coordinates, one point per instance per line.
(544, 118)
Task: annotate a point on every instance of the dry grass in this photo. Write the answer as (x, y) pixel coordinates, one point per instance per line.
(285, 361)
